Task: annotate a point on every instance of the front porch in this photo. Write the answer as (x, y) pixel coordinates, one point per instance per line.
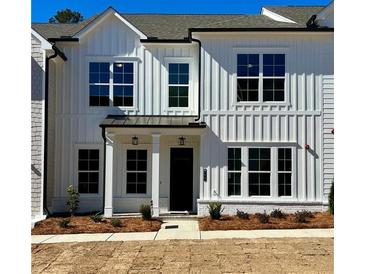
(151, 160)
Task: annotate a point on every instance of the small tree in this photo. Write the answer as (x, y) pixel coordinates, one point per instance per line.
(73, 199)
(331, 200)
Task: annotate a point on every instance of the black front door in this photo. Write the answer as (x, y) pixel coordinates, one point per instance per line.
(181, 179)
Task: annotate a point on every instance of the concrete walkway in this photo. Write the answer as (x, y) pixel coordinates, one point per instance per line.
(176, 229)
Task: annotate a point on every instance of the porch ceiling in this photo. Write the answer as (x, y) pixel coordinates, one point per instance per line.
(123, 121)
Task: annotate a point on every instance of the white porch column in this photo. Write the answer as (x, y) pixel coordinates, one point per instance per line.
(108, 205)
(156, 174)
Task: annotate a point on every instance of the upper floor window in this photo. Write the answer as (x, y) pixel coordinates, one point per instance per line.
(273, 77)
(178, 85)
(99, 77)
(247, 77)
(260, 77)
(111, 80)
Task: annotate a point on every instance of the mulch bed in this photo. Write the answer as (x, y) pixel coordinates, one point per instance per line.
(83, 224)
(319, 220)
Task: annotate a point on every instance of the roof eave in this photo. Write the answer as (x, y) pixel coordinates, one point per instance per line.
(261, 30)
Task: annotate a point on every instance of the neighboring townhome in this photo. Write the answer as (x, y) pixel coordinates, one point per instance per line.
(181, 110)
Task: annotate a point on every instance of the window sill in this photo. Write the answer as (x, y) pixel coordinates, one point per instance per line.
(259, 104)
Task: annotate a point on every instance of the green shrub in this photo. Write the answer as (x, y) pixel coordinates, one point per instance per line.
(64, 223)
(215, 210)
(97, 218)
(307, 214)
(301, 216)
(242, 215)
(116, 222)
(331, 200)
(73, 199)
(263, 217)
(145, 210)
(277, 213)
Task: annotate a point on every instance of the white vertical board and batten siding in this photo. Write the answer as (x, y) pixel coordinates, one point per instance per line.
(295, 122)
(75, 122)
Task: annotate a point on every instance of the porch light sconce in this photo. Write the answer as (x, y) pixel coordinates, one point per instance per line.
(307, 146)
(182, 141)
(333, 131)
(135, 140)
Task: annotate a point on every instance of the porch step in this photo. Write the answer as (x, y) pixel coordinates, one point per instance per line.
(176, 215)
(127, 215)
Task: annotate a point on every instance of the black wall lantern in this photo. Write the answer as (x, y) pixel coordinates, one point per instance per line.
(135, 140)
(182, 141)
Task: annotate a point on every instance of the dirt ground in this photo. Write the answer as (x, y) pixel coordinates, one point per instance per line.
(319, 220)
(83, 224)
(285, 255)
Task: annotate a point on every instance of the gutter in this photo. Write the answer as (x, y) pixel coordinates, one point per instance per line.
(57, 52)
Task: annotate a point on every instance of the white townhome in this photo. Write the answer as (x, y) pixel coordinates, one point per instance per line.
(181, 110)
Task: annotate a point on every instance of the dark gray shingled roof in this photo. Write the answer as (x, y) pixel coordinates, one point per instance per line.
(176, 26)
(298, 14)
(152, 121)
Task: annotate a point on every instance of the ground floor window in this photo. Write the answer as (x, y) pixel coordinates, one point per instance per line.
(259, 171)
(88, 170)
(234, 171)
(285, 171)
(136, 171)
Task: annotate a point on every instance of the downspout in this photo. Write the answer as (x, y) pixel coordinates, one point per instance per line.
(104, 138)
(199, 76)
(56, 53)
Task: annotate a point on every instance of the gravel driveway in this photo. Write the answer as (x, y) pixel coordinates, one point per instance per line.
(284, 255)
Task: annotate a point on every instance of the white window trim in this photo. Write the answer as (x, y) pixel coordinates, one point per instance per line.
(111, 60)
(77, 147)
(123, 171)
(260, 51)
(179, 60)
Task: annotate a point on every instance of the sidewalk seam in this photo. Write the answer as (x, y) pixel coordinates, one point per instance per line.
(154, 238)
(109, 237)
(48, 239)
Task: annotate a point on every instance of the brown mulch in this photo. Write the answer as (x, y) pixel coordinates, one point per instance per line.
(319, 220)
(83, 224)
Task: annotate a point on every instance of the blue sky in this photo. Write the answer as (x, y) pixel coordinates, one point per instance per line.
(42, 10)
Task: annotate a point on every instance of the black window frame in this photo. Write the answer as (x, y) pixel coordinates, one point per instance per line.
(259, 169)
(178, 86)
(88, 172)
(135, 173)
(120, 85)
(248, 79)
(285, 172)
(234, 171)
(273, 84)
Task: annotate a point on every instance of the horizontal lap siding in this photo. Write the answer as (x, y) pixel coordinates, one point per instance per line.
(328, 137)
(37, 112)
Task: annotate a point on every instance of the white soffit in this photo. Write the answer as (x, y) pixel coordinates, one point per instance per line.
(275, 16)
